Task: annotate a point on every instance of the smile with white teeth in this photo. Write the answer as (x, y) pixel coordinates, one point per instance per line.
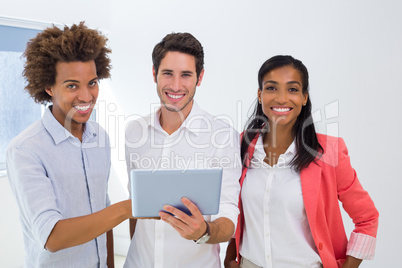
(281, 110)
(175, 96)
(82, 108)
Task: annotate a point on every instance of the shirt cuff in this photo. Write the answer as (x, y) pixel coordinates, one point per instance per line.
(361, 246)
(228, 211)
(45, 228)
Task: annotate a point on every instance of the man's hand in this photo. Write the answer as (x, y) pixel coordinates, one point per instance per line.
(189, 227)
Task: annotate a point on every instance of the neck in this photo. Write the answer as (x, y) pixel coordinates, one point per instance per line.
(279, 137)
(171, 121)
(77, 131)
(276, 142)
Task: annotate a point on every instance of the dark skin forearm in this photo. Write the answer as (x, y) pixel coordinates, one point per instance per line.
(230, 259)
(110, 249)
(133, 223)
(79, 230)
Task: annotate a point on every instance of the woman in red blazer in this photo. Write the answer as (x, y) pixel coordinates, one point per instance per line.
(292, 182)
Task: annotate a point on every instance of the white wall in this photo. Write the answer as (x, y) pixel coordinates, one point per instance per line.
(95, 12)
(351, 48)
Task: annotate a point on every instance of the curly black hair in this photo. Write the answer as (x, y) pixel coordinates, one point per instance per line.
(75, 43)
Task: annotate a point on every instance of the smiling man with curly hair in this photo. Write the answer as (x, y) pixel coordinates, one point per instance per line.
(59, 167)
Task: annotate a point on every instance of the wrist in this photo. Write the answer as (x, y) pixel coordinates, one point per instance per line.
(205, 236)
(125, 209)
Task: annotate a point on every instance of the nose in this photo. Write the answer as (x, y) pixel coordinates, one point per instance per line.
(282, 96)
(85, 94)
(176, 83)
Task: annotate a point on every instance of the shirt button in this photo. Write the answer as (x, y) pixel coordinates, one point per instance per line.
(320, 246)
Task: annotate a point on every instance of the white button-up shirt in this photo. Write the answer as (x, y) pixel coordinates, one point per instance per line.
(276, 233)
(202, 141)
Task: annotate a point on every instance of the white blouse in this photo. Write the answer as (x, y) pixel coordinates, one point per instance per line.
(276, 231)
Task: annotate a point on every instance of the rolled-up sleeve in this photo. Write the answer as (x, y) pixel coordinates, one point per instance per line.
(360, 207)
(229, 159)
(34, 193)
(361, 246)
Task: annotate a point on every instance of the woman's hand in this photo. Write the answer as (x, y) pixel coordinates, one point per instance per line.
(231, 264)
(351, 262)
(230, 259)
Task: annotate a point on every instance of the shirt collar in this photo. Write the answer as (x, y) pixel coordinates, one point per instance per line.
(55, 129)
(195, 122)
(60, 133)
(284, 159)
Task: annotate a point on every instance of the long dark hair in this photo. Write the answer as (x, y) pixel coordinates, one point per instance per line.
(307, 145)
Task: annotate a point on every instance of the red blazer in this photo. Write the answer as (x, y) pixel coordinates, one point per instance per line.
(325, 182)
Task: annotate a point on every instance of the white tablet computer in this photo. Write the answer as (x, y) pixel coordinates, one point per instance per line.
(152, 189)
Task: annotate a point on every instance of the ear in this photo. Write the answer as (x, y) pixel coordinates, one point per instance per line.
(305, 98)
(154, 73)
(259, 95)
(200, 78)
(49, 91)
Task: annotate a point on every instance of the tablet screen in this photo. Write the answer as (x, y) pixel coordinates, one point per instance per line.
(152, 189)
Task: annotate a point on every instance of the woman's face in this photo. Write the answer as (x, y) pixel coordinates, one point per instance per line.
(281, 96)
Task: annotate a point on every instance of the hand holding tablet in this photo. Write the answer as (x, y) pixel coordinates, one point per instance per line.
(151, 190)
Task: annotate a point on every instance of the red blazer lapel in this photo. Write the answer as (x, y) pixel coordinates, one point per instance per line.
(311, 181)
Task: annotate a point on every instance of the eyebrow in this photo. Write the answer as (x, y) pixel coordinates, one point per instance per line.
(171, 71)
(166, 70)
(73, 81)
(274, 82)
(187, 72)
(76, 81)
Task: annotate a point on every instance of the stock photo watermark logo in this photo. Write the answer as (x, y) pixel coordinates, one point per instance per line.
(326, 121)
(173, 160)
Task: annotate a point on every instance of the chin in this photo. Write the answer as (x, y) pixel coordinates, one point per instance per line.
(81, 120)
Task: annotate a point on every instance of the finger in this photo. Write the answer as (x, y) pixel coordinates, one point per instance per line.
(178, 213)
(192, 207)
(181, 228)
(197, 219)
(164, 217)
(173, 221)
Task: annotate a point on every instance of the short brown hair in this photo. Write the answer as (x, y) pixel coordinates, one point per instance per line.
(181, 42)
(75, 43)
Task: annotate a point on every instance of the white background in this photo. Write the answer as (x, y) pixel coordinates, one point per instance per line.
(352, 49)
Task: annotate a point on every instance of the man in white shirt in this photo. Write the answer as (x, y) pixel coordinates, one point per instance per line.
(180, 135)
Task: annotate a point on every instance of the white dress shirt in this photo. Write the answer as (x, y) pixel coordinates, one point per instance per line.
(276, 231)
(202, 141)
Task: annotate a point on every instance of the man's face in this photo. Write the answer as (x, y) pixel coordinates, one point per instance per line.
(74, 93)
(176, 81)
